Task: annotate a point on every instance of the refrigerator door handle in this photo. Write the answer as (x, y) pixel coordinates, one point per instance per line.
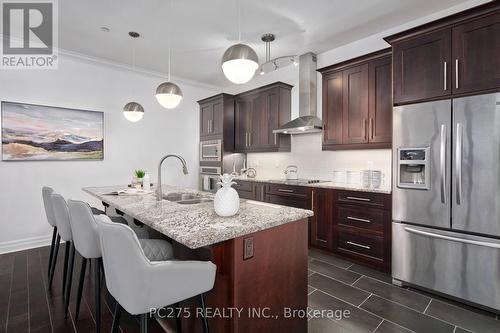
(442, 160)
(453, 239)
(458, 163)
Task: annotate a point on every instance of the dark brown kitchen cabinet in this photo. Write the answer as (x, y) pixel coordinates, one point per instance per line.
(287, 195)
(355, 225)
(217, 119)
(321, 231)
(455, 56)
(355, 110)
(257, 113)
(362, 227)
(476, 54)
(245, 189)
(422, 67)
(380, 100)
(333, 100)
(357, 103)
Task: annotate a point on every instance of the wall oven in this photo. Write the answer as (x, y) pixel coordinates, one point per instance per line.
(209, 177)
(211, 151)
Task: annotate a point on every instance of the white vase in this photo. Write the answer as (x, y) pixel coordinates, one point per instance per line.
(227, 200)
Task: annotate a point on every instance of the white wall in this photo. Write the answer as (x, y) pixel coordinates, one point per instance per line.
(85, 84)
(306, 150)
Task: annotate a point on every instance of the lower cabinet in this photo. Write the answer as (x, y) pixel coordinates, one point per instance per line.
(362, 228)
(321, 223)
(351, 224)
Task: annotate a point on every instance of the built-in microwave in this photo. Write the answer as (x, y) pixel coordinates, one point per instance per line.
(209, 177)
(211, 151)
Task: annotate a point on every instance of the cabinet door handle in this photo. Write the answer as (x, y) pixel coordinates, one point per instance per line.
(359, 199)
(285, 190)
(312, 200)
(275, 139)
(246, 139)
(249, 138)
(445, 75)
(372, 129)
(359, 245)
(358, 219)
(364, 129)
(456, 73)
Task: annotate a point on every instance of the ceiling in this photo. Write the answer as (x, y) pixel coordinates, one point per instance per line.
(203, 29)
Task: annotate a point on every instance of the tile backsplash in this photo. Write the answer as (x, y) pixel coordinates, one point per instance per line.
(312, 162)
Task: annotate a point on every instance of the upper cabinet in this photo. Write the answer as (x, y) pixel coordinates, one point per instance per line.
(455, 56)
(357, 103)
(217, 119)
(476, 54)
(422, 67)
(257, 113)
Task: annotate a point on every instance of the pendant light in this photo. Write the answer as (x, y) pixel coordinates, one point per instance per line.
(168, 94)
(240, 61)
(133, 111)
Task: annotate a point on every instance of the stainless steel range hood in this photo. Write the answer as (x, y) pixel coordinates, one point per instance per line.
(307, 122)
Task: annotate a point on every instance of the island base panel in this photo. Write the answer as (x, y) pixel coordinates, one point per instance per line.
(269, 288)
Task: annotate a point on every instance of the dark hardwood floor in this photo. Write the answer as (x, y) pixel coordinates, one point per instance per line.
(26, 304)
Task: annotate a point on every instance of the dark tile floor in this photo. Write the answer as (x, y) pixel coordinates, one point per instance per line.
(27, 305)
(375, 305)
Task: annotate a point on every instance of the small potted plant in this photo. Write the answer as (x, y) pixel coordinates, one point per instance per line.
(138, 177)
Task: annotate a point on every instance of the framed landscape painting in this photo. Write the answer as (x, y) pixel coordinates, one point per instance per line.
(47, 133)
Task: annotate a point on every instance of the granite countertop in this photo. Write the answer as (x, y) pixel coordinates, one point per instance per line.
(326, 184)
(197, 225)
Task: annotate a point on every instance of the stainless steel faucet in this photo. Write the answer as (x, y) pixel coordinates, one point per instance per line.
(159, 193)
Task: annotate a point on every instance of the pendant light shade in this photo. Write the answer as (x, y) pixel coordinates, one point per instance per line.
(133, 111)
(169, 95)
(239, 63)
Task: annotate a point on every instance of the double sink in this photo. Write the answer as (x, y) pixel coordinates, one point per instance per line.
(186, 198)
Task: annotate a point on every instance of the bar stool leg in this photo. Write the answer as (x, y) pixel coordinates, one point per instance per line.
(203, 317)
(67, 247)
(178, 321)
(52, 247)
(116, 318)
(54, 260)
(70, 279)
(97, 282)
(144, 323)
(81, 282)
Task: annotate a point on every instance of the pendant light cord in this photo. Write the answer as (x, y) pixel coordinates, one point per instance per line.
(238, 5)
(168, 38)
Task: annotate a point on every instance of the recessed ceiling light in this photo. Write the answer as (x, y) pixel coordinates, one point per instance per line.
(105, 29)
(134, 34)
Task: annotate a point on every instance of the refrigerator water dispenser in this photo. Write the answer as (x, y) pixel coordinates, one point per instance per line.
(414, 168)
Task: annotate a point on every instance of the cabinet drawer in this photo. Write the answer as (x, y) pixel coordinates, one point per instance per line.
(289, 201)
(242, 185)
(288, 190)
(245, 194)
(364, 198)
(360, 243)
(363, 218)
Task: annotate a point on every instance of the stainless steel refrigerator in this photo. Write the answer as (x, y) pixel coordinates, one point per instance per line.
(446, 197)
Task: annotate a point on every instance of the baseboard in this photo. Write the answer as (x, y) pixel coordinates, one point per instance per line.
(24, 244)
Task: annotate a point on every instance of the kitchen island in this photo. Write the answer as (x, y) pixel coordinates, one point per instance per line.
(260, 253)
